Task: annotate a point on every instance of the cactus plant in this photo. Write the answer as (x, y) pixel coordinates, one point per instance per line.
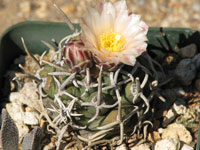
(98, 102)
(94, 99)
(75, 108)
(95, 91)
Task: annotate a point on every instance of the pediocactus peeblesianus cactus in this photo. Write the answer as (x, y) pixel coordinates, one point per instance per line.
(97, 84)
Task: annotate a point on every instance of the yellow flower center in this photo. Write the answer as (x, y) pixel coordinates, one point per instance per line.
(112, 42)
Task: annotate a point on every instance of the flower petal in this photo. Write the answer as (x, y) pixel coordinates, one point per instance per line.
(107, 17)
(120, 7)
(129, 60)
(116, 18)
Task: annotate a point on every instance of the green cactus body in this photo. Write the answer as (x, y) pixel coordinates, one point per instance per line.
(86, 99)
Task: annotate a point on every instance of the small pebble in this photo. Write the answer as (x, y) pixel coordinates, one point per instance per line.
(187, 147)
(15, 111)
(31, 118)
(161, 130)
(141, 147)
(27, 95)
(178, 108)
(196, 61)
(167, 144)
(188, 51)
(121, 147)
(185, 71)
(177, 131)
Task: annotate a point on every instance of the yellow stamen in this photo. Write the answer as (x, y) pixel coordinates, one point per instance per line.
(112, 42)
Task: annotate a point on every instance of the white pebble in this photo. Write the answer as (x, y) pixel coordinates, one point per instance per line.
(141, 147)
(31, 118)
(167, 144)
(187, 147)
(177, 131)
(121, 147)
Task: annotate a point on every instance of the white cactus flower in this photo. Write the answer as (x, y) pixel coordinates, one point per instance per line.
(114, 35)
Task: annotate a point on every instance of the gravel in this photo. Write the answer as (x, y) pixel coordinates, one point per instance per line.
(171, 13)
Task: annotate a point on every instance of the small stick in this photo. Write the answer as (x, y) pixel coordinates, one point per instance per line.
(70, 78)
(54, 65)
(42, 57)
(66, 40)
(63, 130)
(48, 45)
(68, 21)
(59, 73)
(54, 42)
(29, 54)
(146, 77)
(146, 102)
(27, 76)
(26, 71)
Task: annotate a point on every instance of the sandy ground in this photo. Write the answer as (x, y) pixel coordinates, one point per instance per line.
(165, 13)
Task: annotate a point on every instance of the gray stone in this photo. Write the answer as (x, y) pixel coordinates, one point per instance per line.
(170, 95)
(196, 61)
(32, 140)
(185, 71)
(188, 51)
(9, 133)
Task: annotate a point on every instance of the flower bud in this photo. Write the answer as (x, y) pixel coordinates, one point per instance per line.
(76, 56)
